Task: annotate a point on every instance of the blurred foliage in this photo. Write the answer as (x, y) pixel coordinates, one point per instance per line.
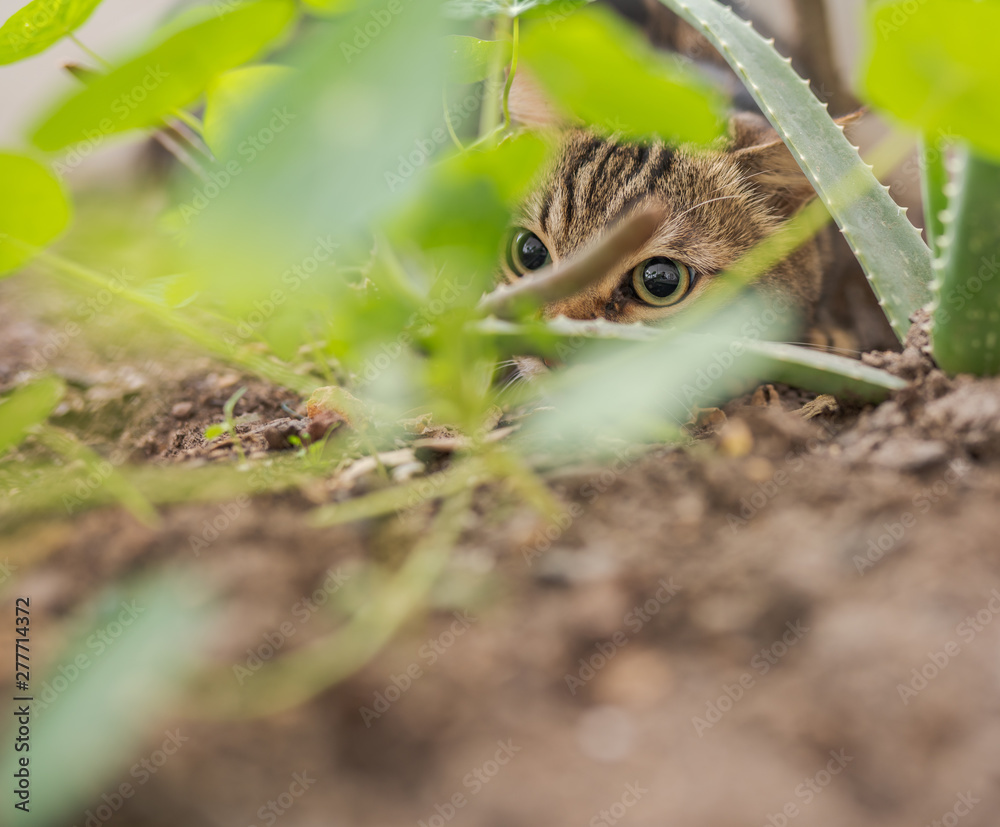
(347, 182)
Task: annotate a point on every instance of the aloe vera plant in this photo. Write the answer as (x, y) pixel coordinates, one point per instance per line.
(889, 248)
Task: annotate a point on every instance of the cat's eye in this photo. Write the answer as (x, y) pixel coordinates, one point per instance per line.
(527, 253)
(661, 282)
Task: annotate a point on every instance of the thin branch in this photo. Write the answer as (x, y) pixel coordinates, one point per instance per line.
(566, 278)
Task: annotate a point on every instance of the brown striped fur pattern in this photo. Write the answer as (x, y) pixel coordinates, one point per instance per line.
(717, 205)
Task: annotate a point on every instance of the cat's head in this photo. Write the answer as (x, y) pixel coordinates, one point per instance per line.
(717, 204)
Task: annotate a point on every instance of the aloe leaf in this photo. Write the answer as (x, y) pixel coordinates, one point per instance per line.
(889, 248)
(966, 333)
(769, 361)
(41, 24)
(172, 74)
(933, 181)
(34, 209)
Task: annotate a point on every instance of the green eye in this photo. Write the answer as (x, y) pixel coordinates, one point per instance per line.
(527, 253)
(661, 282)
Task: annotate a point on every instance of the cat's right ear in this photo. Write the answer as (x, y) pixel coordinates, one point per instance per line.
(530, 107)
(763, 156)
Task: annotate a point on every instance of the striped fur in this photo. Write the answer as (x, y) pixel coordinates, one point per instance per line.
(717, 204)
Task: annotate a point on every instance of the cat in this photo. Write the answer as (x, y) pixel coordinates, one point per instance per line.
(717, 205)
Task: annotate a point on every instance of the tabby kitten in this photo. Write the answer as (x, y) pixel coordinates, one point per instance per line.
(717, 205)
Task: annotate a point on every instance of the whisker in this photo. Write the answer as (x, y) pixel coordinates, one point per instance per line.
(710, 201)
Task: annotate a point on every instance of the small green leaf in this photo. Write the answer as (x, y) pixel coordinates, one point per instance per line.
(34, 209)
(228, 99)
(213, 431)
(606, 74)
(933, 65)
(39, 25)
(171, 75)
(471, 59)
(25, 408)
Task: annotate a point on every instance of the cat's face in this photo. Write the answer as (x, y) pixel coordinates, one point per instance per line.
(716, 206)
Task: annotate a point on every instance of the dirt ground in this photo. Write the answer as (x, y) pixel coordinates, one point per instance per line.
(788, 621)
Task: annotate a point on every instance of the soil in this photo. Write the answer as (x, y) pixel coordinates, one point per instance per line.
(787, 621)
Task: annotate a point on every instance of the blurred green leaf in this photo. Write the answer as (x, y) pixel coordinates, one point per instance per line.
(466, 9)
(25, 408)
(605, 73)
(934, 66)
(39, 25)
(34, 209)
(229, 97)
(322, 147)
(124, 669)
(471, 59)
(170, 75)
(330, 7)
(641, 391)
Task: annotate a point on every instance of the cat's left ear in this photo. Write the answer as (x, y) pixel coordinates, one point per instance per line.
(763, 156)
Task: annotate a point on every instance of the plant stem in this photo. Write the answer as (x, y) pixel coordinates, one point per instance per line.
(273, 372)
(88, 51)
(447, 122)
(489, 116)
(510, 77)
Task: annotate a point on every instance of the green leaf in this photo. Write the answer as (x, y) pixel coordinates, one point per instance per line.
(127, 664)
(889, 248)
(228, 99)
(324, 150)
(34, 209)
(39, 25)
(965, 337)
(934, 66)
(471, 59)
(606, 74)
(171, 75)
(27, 407)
